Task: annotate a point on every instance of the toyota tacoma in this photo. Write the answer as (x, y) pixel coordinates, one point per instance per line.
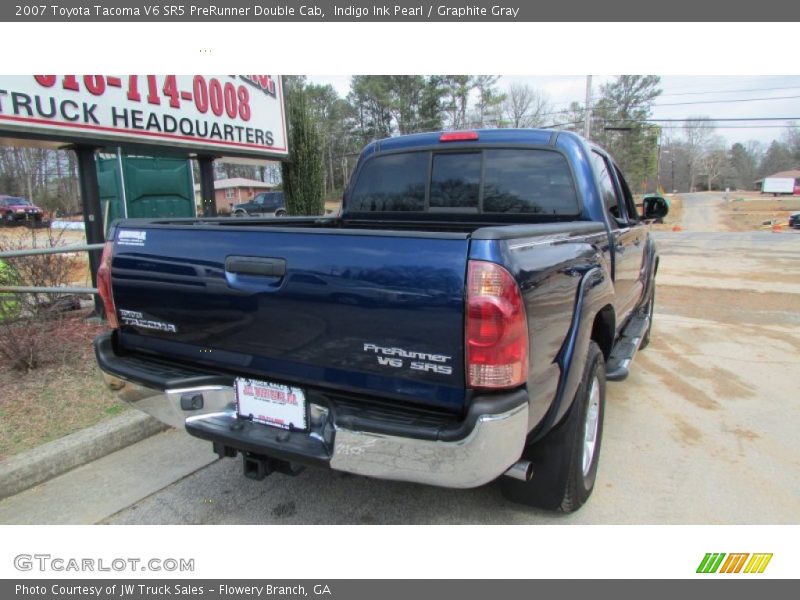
(455, 323)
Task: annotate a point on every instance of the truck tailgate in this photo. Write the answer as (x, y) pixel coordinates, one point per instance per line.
(369, 312)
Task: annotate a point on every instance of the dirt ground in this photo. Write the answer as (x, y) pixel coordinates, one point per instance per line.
(752, 211)
(673, 217)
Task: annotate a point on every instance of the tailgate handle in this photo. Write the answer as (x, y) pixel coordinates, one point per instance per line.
(256, 265)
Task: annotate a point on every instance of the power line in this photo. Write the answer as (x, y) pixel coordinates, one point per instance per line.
(730, 91)
(733, 127)
(726, 101)
(702, 119)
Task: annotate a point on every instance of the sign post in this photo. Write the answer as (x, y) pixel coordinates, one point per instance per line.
(207, 194)
(92, 213)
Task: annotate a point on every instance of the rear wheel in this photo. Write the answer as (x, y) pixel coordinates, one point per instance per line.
(565, 461)
(280, 213)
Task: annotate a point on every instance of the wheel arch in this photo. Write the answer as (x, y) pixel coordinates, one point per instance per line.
(592, 308)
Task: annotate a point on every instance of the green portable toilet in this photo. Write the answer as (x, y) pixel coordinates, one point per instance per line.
(145, 186)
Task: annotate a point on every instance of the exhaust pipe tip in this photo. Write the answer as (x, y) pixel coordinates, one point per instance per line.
(522, 470)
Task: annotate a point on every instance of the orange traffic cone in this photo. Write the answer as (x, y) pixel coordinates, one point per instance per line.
(676, 228)
(777, 228)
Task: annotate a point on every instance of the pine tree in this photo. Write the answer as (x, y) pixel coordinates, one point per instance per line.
(304, 172)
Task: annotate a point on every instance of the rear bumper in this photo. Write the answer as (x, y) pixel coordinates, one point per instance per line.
(477, 451)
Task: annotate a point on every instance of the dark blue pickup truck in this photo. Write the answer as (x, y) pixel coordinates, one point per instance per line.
(454, 325)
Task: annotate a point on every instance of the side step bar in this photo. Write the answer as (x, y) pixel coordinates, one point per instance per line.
(626, 347)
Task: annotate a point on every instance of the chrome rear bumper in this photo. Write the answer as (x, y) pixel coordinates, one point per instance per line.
(486, 452)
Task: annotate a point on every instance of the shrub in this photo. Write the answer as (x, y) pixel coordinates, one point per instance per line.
(31, 324)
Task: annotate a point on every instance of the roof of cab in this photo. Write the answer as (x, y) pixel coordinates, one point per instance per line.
(485, 136)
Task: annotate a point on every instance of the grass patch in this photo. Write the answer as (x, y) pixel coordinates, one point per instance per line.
(59, 397)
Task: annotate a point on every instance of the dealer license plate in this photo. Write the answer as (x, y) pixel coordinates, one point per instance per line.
(271, 403)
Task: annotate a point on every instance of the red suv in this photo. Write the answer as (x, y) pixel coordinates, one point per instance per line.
(14, 208)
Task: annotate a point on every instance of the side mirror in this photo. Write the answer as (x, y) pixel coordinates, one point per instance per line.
(655, 207)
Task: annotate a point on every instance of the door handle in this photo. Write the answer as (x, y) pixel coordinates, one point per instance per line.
(256, 265)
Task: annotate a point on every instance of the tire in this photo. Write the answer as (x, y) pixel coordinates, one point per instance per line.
(650, 311)
(280, 213)
(8, 219)
(565, 461)
(239, 213)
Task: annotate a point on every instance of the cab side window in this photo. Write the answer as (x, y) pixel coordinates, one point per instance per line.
(608, 191)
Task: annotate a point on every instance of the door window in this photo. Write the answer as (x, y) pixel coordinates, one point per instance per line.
(613, 206)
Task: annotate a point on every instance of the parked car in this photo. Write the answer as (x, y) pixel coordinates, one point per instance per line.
(14, 209)
(265, 204)
(455, 324)
(794, 220)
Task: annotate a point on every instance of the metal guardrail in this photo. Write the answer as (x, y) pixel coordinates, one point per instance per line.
(19, 289)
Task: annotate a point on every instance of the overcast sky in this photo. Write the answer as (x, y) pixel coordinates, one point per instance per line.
(690, 96)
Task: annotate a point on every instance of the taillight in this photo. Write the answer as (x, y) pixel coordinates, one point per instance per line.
(104, 285)
(497, 330)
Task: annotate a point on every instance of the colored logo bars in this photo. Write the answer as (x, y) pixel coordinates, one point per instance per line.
(717, 563)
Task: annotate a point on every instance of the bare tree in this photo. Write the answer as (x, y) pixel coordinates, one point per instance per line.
(697, 132)
(715, 161)
(525, 106)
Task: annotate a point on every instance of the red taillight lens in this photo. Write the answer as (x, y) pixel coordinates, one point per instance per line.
(497, 330)
(459, 136)
(104, 285)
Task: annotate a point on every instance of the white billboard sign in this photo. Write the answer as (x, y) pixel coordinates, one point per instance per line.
(235, 115)
(778, 185)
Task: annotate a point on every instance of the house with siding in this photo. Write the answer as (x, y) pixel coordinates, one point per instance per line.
(234, 190)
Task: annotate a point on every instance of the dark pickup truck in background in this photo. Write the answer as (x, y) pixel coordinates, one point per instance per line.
(455, 324)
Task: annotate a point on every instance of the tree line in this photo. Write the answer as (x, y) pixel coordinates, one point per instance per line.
(332, 130)
(698, 158)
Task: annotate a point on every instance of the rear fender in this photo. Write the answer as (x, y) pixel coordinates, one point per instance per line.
(595, 291)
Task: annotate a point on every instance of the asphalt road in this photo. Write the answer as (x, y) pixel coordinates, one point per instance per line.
(702, 432)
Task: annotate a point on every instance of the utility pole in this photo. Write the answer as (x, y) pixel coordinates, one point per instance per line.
(587, 123)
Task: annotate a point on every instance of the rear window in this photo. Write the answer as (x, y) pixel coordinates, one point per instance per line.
(394, 182)
(519, 180)
(456, 181)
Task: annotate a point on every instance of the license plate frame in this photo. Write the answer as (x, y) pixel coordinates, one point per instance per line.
(271, 404)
